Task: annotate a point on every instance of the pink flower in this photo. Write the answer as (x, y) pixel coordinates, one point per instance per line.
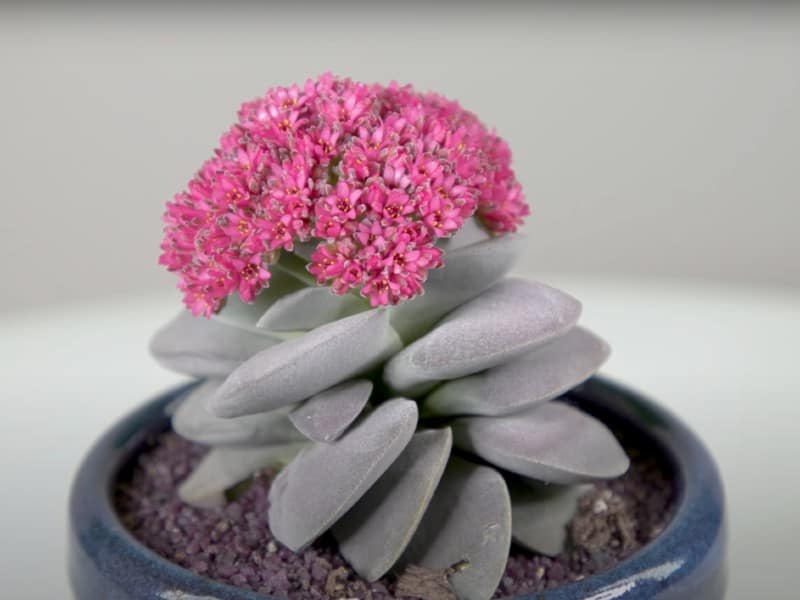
(352, 275)
(252, 276)
(326, 142)
(376, 173)
(328, 227)
(356, 164)
(425, 169)
(390, 206)
(238, 227)
(290, 178)
(381, 290)
(395, 172)
(371, 235)
(402, 259)
(440, 214)
(350, 104)
(287, 98)
(327, 262)
(506, 209)
(344, 204)
(279, 231)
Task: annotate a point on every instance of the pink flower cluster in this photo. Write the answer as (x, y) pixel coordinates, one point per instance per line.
(376, 174)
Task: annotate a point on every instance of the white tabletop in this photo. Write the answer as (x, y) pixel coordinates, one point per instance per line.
(723, 358)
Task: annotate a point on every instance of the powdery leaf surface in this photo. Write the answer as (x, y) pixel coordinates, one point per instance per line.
(326, 480)
(468, 519)
(193, 421)
(536, 377)
(306, 365)
(470, 270)
(503, 323)
(552, 442)
(222, 468)
(374, 533)
(206, 347)
(308, 308)
(326, 416)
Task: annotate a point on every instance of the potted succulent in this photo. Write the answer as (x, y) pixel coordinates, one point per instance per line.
(380, 411)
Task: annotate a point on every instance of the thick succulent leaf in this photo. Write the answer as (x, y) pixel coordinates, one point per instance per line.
(247, 314)
(471, 232)
(468, 271)
(508, 320)
(540, 514)
(324, 417)
(193, 421)
(224, 467)
(308, 308)
(374, 533)
(216, 346)
(326, 480)
(538, 376)
(206, 347)
(552, 442)
(468, 519)
(303, 366)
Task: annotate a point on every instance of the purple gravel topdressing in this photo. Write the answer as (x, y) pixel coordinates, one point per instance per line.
(234, 545)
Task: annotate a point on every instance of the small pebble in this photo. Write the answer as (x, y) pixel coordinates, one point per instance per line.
(233, 544)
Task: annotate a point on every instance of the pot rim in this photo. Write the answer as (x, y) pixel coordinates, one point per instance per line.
(685, 561)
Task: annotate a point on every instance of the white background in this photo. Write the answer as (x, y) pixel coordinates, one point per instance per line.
(649, 141)
(659, 150)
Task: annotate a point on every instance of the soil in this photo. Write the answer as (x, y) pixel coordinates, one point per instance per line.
(233, 544)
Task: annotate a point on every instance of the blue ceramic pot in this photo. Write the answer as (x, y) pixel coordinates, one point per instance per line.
(685, 562)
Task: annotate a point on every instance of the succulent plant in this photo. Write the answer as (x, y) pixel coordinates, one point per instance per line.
(419, 429)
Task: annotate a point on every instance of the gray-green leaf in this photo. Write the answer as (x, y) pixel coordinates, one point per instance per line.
(468, 271)
(308, 308)
(468, 519)
(303, 366)
(374, 533)
(193, 421)
(541, 375)
(326, 480)
(246, 314)
(325, 416)
(509, 320)
(552, 442)
(224, 467)
(540, 514)
(206, 347)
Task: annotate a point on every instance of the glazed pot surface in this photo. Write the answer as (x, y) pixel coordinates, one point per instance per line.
(685, 562)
